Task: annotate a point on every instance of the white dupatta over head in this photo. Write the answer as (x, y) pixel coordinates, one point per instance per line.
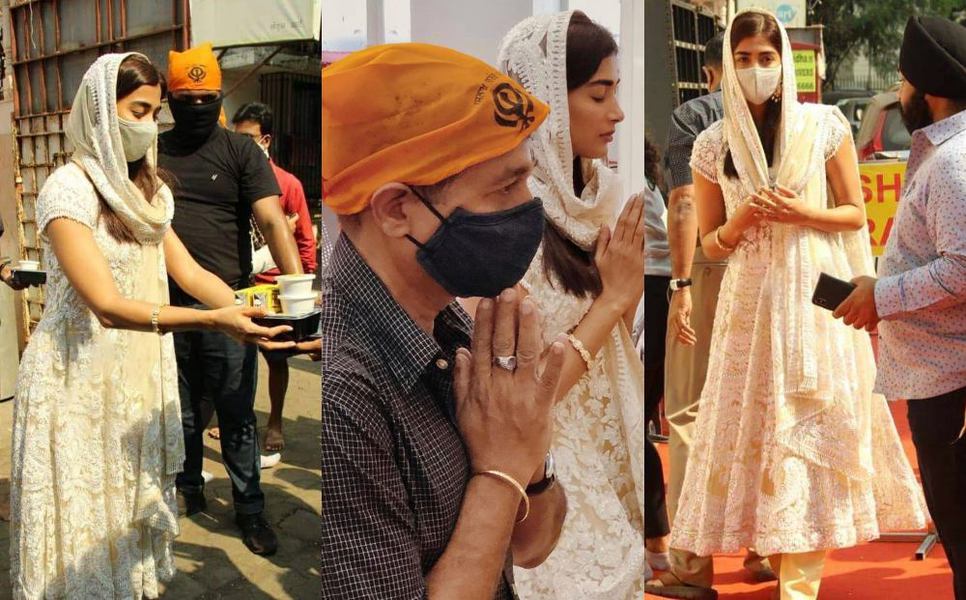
(828, 430)
(534, 53)
(140, 366)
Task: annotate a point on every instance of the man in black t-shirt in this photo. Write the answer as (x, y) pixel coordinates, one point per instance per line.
(220, 181)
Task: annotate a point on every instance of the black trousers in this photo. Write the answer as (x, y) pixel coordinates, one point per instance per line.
(212, 367)
(936, 424)
(655, 330)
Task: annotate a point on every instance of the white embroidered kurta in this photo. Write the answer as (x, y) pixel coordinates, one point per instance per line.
(744, 489)
(93, 511)
(598, 445)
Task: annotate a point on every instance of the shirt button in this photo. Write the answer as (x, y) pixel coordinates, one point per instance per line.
(441, 364)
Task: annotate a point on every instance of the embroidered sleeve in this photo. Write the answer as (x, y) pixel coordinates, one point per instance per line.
(63, 196)
(839, 131)
(704, 156)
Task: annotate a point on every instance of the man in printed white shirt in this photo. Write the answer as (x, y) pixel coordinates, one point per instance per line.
(920, 295)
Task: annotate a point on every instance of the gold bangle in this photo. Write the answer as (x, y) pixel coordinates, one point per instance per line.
(515, 485)
(581, 350)
(720, 243)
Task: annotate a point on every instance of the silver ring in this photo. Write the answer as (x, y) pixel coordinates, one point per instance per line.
(506, 362)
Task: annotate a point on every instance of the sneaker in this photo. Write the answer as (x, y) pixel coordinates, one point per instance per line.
(257, 534)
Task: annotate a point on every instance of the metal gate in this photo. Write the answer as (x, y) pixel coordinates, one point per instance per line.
(53, 44)
(296, 102)
(691, 28)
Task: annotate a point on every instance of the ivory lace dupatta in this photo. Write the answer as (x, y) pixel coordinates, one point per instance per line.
(140, 359)
(811, 421)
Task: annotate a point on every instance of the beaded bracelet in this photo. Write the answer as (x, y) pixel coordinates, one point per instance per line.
(581, 350)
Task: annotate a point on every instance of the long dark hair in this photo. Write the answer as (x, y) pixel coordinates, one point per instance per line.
(134, 71)
(750, 25)
(652, 162)
(588, 44)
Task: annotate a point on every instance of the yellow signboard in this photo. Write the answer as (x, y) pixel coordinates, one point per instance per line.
(882, 183)
(806, 76)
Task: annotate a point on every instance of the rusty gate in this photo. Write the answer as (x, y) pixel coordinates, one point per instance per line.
(297, 145)
(53, 42)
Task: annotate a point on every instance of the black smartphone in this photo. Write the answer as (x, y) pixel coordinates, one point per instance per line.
(831, 291)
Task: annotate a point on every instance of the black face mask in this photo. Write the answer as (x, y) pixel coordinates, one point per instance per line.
(194, 123)
(481, 254)
(916, 114)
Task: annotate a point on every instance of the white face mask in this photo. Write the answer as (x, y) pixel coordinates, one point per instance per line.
(759, 83)
(137, 137)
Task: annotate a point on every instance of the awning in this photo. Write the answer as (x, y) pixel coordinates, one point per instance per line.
(227, 23)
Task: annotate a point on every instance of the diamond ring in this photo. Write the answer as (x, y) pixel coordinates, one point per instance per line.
(506, 362)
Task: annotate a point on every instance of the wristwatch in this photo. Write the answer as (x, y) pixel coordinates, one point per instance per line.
(680, 284)
(549, 478)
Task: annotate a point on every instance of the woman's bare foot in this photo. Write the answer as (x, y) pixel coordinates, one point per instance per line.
(214, 433)
(274, 440)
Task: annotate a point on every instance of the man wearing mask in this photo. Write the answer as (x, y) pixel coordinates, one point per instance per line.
(920, 295)
(695, 281)
(434, 444)
(222, 180)
(255, 120)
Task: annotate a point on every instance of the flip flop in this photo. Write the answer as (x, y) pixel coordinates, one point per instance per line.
(270, 460)
(669, 586)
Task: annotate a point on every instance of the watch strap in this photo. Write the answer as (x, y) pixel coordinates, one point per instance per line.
(541, 486)
(678, 284)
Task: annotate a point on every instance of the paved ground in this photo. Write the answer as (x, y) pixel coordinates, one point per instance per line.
(212, 561)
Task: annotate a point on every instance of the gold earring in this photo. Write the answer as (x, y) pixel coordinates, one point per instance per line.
(777, 95)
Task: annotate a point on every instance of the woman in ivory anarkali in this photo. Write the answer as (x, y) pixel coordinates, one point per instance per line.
(97, 437)
(793, 455)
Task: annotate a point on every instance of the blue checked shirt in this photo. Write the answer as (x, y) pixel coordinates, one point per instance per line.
(921, 291)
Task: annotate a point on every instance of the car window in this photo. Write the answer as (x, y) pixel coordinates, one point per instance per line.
(895, 136)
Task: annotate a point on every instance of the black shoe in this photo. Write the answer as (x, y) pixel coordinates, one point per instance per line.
(194, 503)
(257, 534)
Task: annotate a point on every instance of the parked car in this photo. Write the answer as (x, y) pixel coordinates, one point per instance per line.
(882, 134)
(832, 97)
(854, 109)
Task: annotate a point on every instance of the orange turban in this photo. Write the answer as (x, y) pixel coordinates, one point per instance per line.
(416, 114)
(194, 69)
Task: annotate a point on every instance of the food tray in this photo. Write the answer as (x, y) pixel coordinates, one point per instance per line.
(303, 327)
(24, 277)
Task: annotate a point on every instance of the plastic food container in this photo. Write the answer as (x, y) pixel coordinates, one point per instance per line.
(297, 305)
(263, 296)
(303, 327)
(29, 265)
(295, 285)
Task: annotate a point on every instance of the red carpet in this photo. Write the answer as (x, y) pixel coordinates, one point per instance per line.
(874, 571)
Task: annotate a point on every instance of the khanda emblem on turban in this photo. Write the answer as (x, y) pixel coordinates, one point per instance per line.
(197, 73)
(512, 107)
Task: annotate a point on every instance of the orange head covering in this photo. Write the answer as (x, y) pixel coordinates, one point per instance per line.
(194, 69)
(416, 114)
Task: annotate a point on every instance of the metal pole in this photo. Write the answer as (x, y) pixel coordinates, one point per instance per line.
(375, 23)
(252, 71)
